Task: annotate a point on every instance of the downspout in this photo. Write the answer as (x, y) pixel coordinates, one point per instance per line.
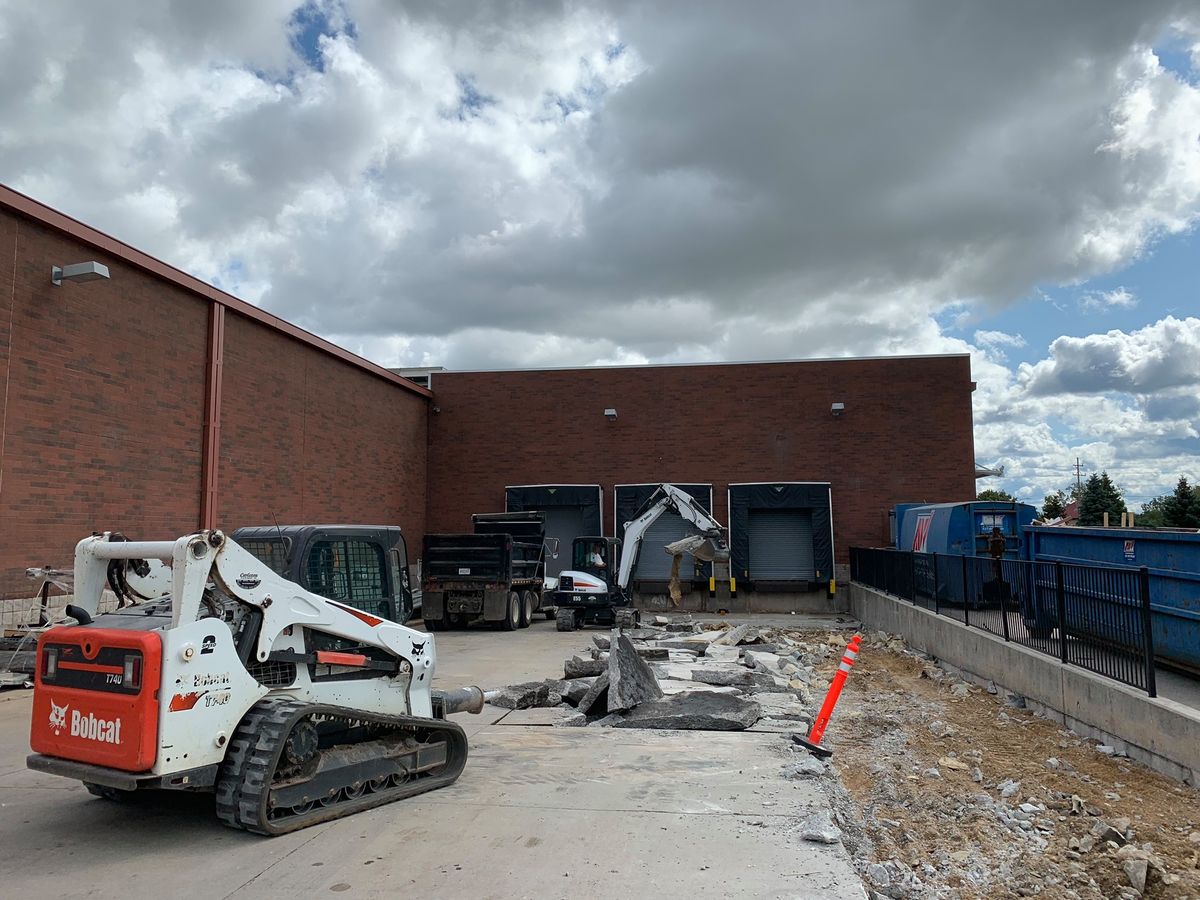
(209, 494)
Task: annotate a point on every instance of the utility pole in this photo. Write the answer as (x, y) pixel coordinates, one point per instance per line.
(1078, 479)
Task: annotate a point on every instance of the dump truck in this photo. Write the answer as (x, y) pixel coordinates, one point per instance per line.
(496, 574)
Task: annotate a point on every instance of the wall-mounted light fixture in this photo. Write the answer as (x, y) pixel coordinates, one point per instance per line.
(837, 409)
(611, 414)
(84, 271)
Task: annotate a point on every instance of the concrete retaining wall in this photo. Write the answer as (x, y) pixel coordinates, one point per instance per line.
(1163, 734)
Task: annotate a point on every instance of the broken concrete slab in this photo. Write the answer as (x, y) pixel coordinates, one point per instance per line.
(521, 696)
(819, 828)
(584, 668)
(643, 634)
(596, 698)
(732, 676)
(683, 627)
(692, 711)
(739, 634)
(702, 638)
(577, 688)
(630, 680)
(722, 653)
(601, 641)
(779, 726)
(760, 659)
(680, 644)
(781, 706)
(671, 686)
(674, 670)
(658, 654)
(764, 647)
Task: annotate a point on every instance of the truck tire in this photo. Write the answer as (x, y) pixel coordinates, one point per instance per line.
(512, 617)
(565, 620)
(434, 625)
(526, 608)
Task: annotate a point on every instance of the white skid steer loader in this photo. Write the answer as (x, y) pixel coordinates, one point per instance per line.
(294, 709)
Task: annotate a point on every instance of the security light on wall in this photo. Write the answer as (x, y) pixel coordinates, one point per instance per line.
(837, 409)
(610, 414)
(84, 271)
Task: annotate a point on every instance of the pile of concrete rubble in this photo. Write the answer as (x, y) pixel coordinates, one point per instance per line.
(674, 674)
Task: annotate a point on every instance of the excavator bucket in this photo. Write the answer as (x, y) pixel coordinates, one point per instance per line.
(701, 547)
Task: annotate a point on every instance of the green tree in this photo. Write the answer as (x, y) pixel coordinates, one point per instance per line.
(996, 496)
(1182, 508)
(1100, 496)
(1054, 505)
(1153, 514)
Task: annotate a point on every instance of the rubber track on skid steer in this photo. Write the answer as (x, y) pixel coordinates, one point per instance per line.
(244, 783)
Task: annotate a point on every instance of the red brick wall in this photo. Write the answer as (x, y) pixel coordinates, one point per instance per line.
(101, 423)
(906, 434)
(103, 403)
(311, 439)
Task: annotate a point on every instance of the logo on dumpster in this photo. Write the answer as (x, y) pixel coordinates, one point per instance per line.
(1130, 552)
(921, 535)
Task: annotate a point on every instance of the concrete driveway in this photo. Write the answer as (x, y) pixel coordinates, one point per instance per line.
(539, 812)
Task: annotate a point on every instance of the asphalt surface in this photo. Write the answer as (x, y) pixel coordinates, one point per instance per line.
(538, 812)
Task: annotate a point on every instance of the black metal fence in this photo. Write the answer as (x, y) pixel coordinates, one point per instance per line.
(1094, 617)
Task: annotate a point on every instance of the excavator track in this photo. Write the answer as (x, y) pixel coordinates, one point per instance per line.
(276, 779)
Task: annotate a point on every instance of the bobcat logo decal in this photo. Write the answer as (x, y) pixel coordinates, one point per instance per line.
(419, 649)
(58, 717)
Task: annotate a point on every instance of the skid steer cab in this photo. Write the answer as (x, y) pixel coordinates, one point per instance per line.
(364, 566)
(292, 707)
(590, 593)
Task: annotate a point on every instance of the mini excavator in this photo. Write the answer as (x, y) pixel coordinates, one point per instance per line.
(592, 593)
(292, 708)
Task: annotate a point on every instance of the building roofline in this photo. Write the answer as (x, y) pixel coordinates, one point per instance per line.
(696, 365)
(52, 218)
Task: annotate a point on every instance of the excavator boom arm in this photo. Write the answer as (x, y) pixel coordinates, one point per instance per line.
(666, 497)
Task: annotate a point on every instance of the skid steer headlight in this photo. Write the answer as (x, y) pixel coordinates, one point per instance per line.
(133, 672)
(49, 663)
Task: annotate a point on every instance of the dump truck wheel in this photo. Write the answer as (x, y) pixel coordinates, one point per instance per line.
(526, 608)
(512, 618)
(565, 620)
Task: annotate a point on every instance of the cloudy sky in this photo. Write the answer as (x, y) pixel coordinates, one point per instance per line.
(548, 184)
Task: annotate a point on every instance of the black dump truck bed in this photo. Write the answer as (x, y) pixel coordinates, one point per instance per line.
(502, 550)
(486, 574)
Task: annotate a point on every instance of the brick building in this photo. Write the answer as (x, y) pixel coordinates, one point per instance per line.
(156, 404)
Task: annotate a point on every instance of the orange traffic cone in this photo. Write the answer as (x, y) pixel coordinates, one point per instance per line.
(813, 741)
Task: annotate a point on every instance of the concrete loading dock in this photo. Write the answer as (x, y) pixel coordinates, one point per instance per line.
(571, 510)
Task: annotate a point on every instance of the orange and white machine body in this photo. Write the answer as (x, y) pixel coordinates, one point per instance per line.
(155, 702)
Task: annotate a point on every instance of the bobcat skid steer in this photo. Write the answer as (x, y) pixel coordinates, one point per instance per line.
(292, 708)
